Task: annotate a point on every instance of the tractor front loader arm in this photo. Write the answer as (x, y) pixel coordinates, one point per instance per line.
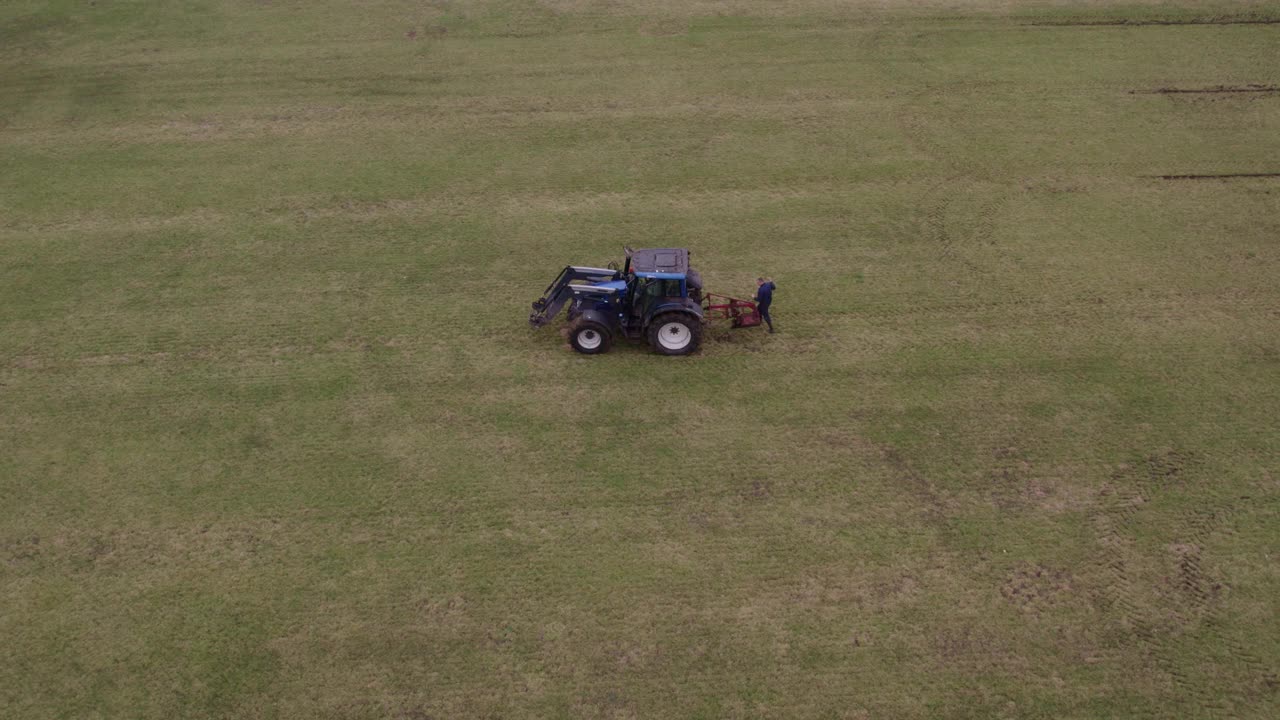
(558, 292)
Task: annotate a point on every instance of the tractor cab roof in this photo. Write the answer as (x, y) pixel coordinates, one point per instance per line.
(661, 275)
(659, 260)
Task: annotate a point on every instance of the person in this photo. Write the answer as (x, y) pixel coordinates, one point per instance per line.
(764, 298)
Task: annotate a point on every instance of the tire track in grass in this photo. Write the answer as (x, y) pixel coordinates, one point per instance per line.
(975, 228)
(936, 215)
(920, 486)
(1122, 502)
(1192, 583)
(922, 106)
(988, 214)
(964, 178)
(1204, 595)
(913, 121)
(1118, 509)
(910, 124)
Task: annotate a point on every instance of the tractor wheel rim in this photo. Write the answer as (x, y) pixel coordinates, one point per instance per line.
(674, 336)
(589, 339)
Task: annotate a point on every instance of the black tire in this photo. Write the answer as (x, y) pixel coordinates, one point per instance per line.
(589, 337)
(675, 333)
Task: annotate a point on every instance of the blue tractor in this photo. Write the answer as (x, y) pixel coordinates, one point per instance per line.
(655, 296)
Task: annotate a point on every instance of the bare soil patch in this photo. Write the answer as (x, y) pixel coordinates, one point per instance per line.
(1213, 90)
(1032, 588)
(1139, 22)
(1215, 176)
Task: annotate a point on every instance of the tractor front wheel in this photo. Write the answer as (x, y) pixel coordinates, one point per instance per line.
(590, 338)
(675, 333)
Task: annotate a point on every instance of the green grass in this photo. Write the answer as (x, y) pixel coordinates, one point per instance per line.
(277, 441)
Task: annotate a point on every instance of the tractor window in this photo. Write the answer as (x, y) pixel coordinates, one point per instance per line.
(662, 288)
(649, 292)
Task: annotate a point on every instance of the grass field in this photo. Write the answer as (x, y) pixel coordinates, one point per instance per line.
(276, 440)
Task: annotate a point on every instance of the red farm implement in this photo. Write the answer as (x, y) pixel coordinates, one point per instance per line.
(741, 313)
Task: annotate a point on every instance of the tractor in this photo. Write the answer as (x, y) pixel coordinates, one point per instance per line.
(655, 296)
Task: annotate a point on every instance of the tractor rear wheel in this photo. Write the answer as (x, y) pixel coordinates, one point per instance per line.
(589, 337)
(675, 333)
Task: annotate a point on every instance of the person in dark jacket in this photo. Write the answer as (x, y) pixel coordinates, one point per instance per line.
(764, 298)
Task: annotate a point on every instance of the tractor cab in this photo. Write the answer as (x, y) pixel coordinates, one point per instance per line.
(661, 273)
(646, 291)
(658, 280)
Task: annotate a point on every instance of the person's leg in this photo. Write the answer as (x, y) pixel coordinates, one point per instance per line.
(764, 313)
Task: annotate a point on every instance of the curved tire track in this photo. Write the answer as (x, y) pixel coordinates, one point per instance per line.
(1200, 597)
